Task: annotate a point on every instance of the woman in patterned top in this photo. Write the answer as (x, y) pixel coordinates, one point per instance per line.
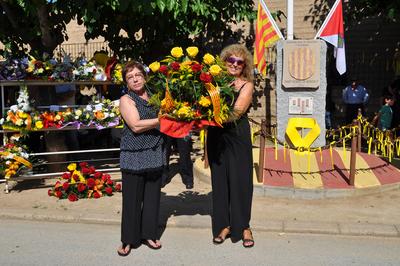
(142, 159)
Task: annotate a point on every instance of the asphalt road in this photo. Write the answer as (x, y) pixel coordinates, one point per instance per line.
(46, 243)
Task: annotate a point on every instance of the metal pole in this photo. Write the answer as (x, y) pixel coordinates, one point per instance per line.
(260, 176)
(353, 154)
(290, 19)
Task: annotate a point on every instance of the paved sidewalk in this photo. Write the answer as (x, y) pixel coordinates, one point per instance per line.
(375, 215)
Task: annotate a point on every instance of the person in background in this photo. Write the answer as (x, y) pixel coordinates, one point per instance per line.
(184, 147)
(142, 159)
(229, 150)
(329, 109)
(355, 96)
(384, 117)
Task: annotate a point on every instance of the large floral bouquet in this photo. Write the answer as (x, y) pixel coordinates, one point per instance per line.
(83, 181)
(13, 158)
(191, 92)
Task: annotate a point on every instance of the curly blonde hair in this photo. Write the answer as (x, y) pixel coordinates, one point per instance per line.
(241, 51)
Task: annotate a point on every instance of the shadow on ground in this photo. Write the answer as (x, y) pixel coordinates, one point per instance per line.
(188, 203)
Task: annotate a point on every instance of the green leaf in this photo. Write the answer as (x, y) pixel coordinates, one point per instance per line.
(161, 5)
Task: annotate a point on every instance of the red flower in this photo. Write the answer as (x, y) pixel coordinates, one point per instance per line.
(110, 182)
(72, 197)
(196, 67)
(83, 164)
(118, 187)
(58, 194)
(65, 186)
(85, 171)
(91, 182)
(206, 78)
(96, 195)
(81, 187)
(50, 192)
(75, 177)
(92, 169)
(175, 66)
(109, 190)
(66, 176)
(107, 176)
(98, 175)
(163, 69)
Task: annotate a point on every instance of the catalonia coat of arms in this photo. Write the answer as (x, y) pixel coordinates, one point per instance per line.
(301, 63)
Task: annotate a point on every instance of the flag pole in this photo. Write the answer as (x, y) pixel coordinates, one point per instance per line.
(290, 19)
(327, 19)
(271, 19)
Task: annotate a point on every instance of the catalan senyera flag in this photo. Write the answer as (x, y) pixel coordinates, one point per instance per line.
(332, 31)
(267, 33)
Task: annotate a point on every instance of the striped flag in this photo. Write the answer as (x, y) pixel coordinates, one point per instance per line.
(267, 33)
(332, 31)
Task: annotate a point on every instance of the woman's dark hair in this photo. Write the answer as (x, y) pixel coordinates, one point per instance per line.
(131, 65)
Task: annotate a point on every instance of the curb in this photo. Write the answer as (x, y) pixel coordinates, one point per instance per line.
(281, 227)
(204, 175)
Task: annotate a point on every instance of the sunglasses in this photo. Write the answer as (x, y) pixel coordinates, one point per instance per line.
(233, 60)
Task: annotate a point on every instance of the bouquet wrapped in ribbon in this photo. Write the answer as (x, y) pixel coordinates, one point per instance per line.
(189, 93)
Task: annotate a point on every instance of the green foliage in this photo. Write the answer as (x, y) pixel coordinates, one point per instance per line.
(38, 23)
(133, 28)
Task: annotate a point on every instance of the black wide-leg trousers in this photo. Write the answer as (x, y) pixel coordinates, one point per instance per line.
(184, 147)
(140, 207)
(231, 162)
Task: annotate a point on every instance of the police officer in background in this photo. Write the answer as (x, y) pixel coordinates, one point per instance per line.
(355, 96)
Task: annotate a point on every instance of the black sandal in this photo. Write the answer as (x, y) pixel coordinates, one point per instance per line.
(125, 253)
(146, 243)
(220, 239)
(248, 242)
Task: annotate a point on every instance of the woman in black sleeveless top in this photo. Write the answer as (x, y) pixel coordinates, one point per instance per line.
(142, 159)
(230, 156)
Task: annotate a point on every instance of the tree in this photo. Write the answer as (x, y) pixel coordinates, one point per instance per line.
(133, 28)
(40, 24)
(148, 29)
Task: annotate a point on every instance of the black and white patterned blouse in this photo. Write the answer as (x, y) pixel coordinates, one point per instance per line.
(142, 152)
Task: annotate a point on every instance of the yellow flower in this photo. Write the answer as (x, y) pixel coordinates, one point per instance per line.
(192, 51)
(22, 114)
(71, 167)
(19, 122)
(204, 101)
(78, 112)
(155, 66)
(185, 65)
(208, 59)
(183, 112)
(215, 70)
(57, 117)
(177, 52)
(39, 124)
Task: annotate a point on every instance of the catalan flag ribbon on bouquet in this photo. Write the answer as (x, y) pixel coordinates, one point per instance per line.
(267, 33)
(332, 31)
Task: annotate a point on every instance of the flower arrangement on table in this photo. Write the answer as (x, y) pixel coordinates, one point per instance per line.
(83, 181)
(40, 68)
(13, 158)
(62, 70)
(105, 113)
(19, 116)
(13, 69)
(189, 93)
